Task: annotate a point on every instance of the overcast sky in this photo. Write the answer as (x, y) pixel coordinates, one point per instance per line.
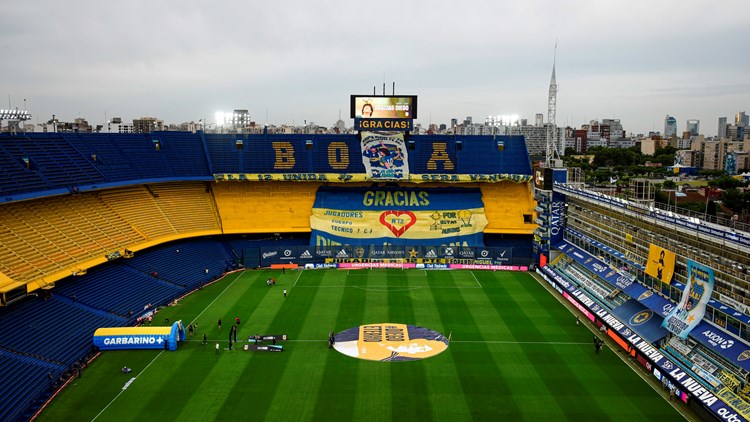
(288, 61)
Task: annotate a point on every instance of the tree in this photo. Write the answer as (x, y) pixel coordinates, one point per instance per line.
(667, 150)
(736, 200)
(711, 173)
(602, 175)
(726, 182)
(615, 156)
(664, 159)
(668, 184)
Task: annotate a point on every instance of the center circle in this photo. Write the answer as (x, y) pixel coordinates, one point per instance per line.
(389, 342)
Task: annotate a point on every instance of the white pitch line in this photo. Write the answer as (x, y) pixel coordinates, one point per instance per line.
(295, 280)
(160, 353)
(123, 390)
(389, 287)
(217, 297)
(630, 364)
(475, 278)
(520, 342)
(286, 341)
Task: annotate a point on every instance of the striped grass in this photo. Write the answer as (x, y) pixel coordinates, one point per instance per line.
(516, 354)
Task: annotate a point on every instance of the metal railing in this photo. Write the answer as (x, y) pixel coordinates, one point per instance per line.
(722, 221)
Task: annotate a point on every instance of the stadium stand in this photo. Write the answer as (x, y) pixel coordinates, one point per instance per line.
(22, 379)
(48, 235)
(73, 203)
(64, 234)
(16, 176)
(331, 154)
(265, 215)
(186, 157)
(184, 263)
(188, 207)
(59, 162)
(119, 289)
(508, 206)
(104, 153)
(31, 347)
(27, 329)
(148, 161)
(223, 152)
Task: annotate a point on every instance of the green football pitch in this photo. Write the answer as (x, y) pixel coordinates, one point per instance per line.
(516, 353)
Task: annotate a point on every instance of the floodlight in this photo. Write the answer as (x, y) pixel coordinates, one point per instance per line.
(14, 115)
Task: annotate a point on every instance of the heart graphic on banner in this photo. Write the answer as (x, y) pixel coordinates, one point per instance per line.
(398, 223)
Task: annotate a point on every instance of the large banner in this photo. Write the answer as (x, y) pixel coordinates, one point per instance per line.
(398, 216)
(645, 322)
(361, 177)
(689, 312)
(660, 263)
(385, 156)
(557, 218)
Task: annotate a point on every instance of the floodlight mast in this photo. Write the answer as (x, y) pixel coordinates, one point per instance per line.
(14, 118)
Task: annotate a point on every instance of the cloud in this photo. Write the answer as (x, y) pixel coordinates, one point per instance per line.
(300, 60)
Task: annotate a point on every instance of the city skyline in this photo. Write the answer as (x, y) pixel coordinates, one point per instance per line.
(299, 61)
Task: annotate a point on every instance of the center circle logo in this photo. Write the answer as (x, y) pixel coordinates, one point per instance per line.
(388, 342)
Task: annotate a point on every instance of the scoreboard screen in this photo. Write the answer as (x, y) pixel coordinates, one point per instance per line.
(384, 106)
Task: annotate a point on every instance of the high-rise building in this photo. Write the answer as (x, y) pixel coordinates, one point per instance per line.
(742, 119)
(615, 129)
(340, 126)
(693, 126)
(722, 133)
(670, 126)
(147, 125)
(539, 120)
(713, 154)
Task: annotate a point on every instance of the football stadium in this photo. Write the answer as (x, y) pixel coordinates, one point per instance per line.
(377, 275)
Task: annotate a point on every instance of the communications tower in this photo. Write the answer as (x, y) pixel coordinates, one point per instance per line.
(551, 112)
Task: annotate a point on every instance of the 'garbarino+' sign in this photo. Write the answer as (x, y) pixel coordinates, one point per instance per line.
(144, 337)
